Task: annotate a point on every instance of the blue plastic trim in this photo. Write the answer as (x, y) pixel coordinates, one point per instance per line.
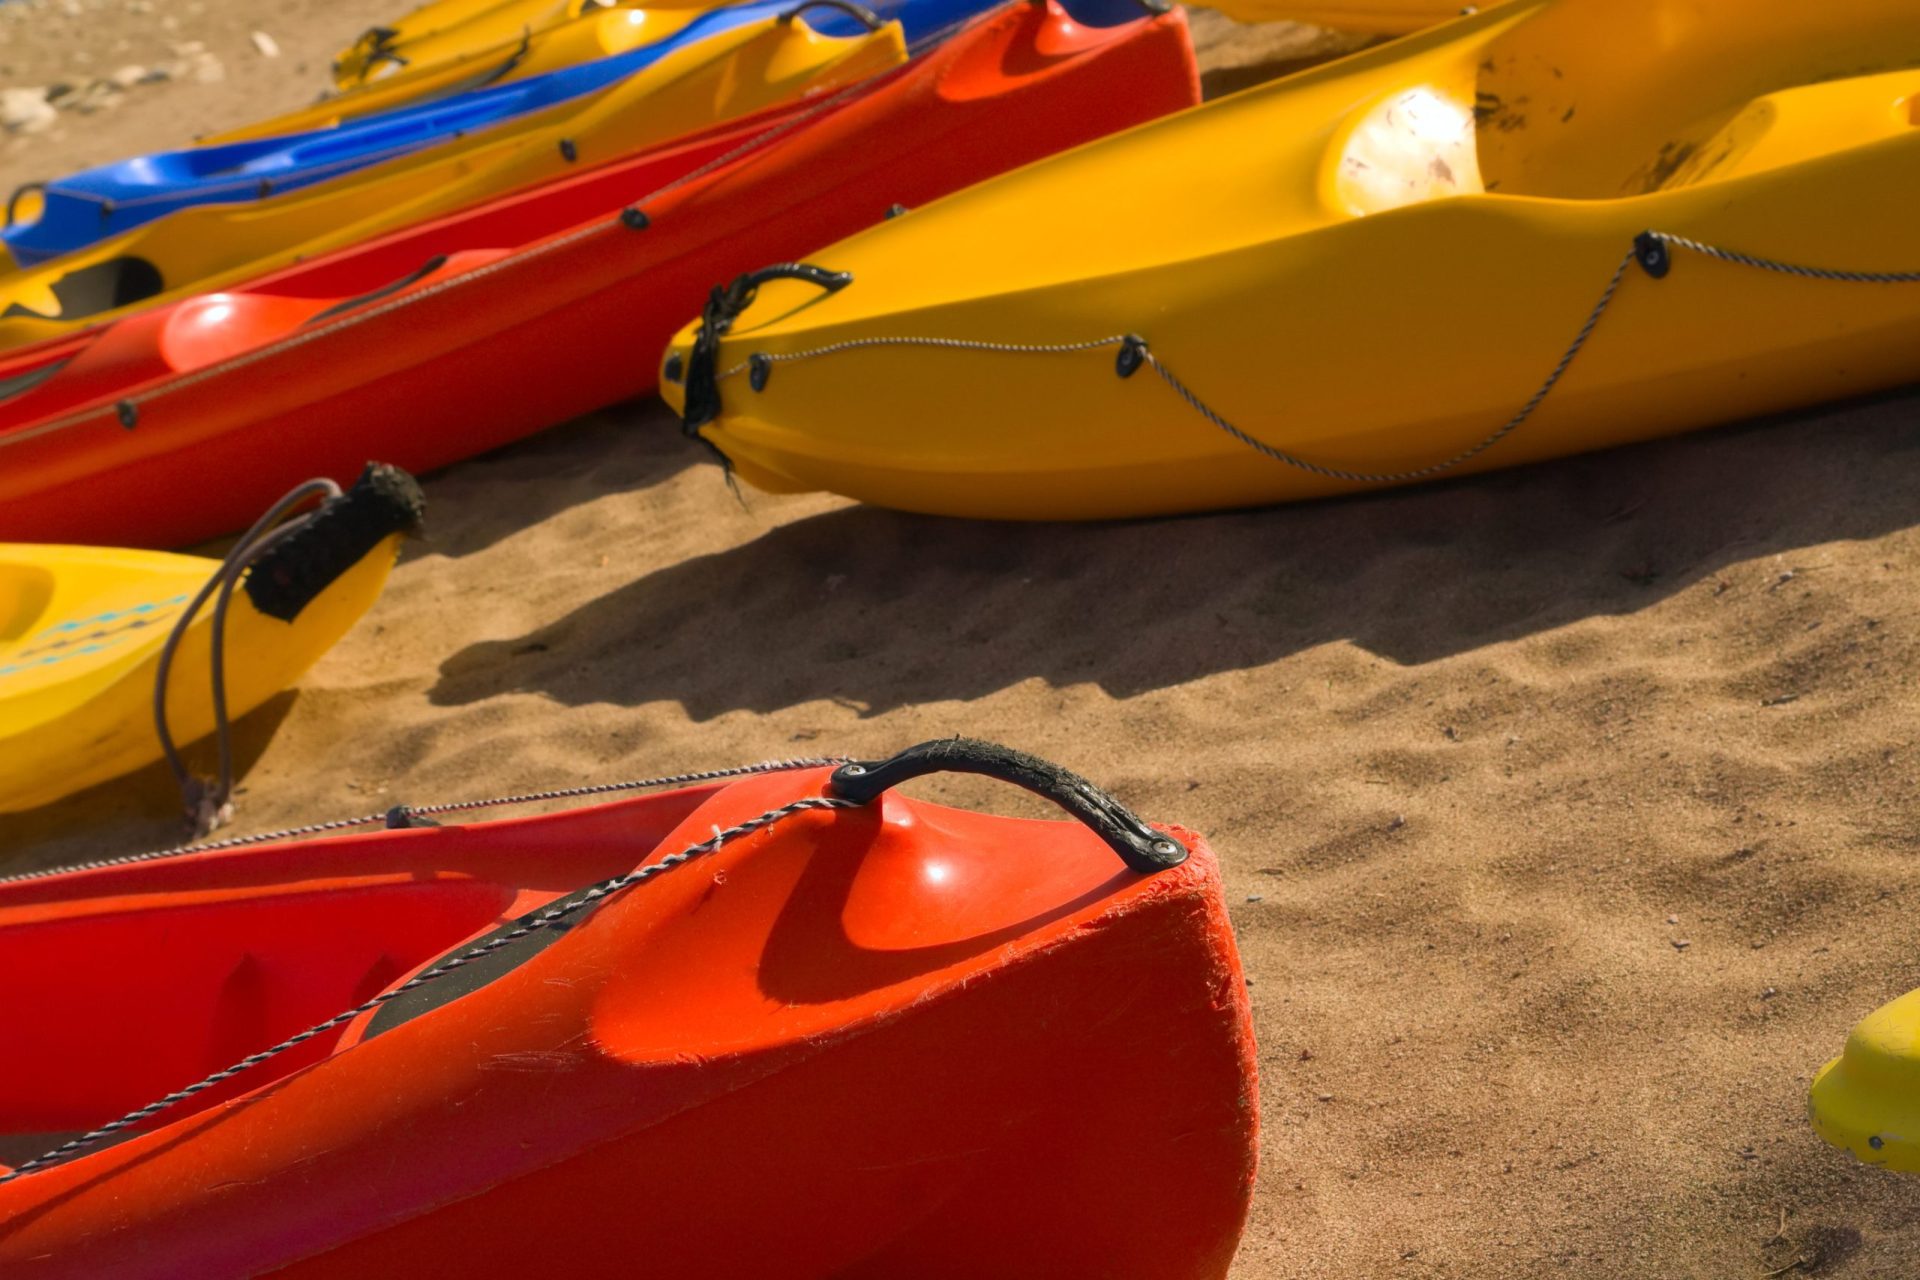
(93, 204)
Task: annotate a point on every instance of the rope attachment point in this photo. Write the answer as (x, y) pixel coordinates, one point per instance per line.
(725, 305)
(1650, 251)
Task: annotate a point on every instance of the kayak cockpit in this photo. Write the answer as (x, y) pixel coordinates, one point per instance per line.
(25, 590)
(131, 1000)
(1597, 102)
(1551, 108)
(169, 971)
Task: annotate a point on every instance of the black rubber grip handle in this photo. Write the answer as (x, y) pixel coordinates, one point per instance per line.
(858, 12)
(1139, 846)
(294, 569)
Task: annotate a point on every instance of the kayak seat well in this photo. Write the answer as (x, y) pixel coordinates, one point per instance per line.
(25, 590)
(1516, 125)
(92, 289)
(220, 326)
(1794, 125)
(1563, 112)
(20, 383)
(245, 950)
(241, 972)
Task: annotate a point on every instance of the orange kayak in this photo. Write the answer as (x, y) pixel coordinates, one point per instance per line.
(786, 1022)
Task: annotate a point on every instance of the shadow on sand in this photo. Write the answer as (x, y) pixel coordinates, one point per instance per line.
(614, 450)
(927, 609)
(145, 804)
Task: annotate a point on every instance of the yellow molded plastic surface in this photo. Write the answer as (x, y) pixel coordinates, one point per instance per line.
(1377, 17)
(1372, 266)
(582, 36)
(1868, 1099)
(731, 74)
(81, 630)
(452, 32)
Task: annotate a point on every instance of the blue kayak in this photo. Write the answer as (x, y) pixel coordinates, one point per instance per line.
(94, 204)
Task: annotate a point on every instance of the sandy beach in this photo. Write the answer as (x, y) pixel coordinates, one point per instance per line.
(1568, 813)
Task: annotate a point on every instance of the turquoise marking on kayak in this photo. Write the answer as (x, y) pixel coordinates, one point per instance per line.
(112, 615)
(17, 667)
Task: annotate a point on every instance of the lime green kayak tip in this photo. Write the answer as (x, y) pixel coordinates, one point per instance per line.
(1867, 1100)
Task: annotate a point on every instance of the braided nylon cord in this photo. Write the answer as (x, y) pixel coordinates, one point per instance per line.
(457, 806)
(542, 921)
(1788, 268)
(955, 344)
(1213, 416)
(1418, 473)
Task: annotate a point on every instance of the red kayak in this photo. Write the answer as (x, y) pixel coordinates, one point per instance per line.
(791, 1024)
(438, 343)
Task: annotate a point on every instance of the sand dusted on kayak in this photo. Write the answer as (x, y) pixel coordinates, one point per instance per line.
(1565, 814)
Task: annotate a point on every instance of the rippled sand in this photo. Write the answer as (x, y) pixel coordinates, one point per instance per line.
(1568, 813)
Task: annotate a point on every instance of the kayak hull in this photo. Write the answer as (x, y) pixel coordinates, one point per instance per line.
(732, 74)
(590, 35)
(531, 332)
(83, 628)
(1373, 17)
(95, 204)
(897, 1040)
(1867, 1101)
(1441, 286)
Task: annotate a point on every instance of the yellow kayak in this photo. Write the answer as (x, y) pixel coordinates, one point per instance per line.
(735, 73)
(1375, 17)
(454, 32)
(583, 33)
(1868, 1099)
(82, 630)
(1555, 226)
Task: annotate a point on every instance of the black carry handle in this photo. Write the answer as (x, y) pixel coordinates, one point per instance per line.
(1139, 846)
(724, 305)
(858, 12)
(298, 566)
(412, 277)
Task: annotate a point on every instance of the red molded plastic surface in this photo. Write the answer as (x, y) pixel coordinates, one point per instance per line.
(902, 1040)
(548, 306)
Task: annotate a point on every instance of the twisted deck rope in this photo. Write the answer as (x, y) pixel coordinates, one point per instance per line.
(544, 920)
(1142, 353)
(458, 806)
